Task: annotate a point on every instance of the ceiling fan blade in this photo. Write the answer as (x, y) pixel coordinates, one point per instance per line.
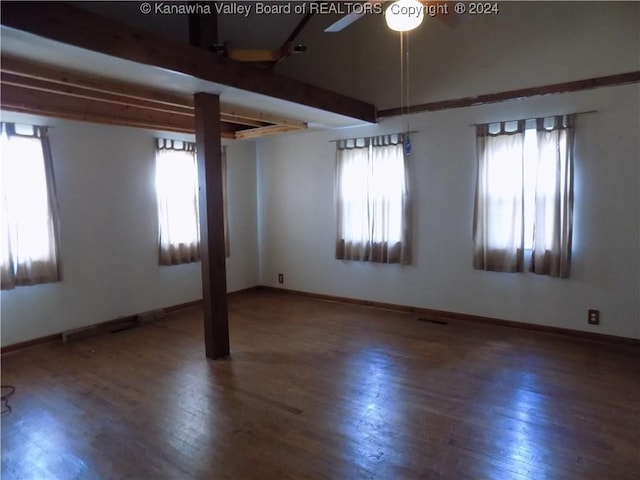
(344, 22)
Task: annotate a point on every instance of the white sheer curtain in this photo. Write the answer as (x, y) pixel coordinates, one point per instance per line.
(372, 194)
(178, 205)
(498, 227)
(507, 173)
(177, 194)
(553, 224)
(29, 208)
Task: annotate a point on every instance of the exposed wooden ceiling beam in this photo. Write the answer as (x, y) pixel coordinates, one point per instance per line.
(41, 89)
(26, 100)
(86, 30)
(261, 132)
(254, 55)
(252, 115)
(80, 92)
(27, 68)
(227, 118)
(574, 86)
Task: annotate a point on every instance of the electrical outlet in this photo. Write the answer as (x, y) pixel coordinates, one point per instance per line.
(593, 317)
(280, 278)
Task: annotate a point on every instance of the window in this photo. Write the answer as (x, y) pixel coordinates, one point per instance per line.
(372, 200)
(177, 195)
(524, 196)
(29, 209)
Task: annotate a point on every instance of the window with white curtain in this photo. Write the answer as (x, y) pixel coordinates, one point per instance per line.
(524, 196)
(178, 203)
(29, 209)
(372, 193)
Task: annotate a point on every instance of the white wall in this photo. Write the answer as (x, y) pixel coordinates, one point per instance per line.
(108, 224)
(282, 216)
(242, 263)
(297, 218)
(108, 228)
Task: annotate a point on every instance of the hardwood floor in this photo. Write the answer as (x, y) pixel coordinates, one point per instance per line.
(323, 390)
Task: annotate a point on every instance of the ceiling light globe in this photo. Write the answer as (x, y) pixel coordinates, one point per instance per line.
(404, 15)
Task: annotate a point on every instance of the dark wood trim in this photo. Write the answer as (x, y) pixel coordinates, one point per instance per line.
(182, 306)
(607, 81)
(74, 26)
(463, 317)
(434, 314)
(212, 244)
(109, 324)
(56, 337)
(243, 291)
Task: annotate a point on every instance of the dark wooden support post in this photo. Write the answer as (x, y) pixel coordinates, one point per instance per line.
(203, 29)
(212, 251)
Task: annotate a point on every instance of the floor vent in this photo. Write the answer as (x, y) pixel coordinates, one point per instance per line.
(433, 320)
(113, 326)
(124, 326)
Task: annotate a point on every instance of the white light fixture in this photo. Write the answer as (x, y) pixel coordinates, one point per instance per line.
(404, 15)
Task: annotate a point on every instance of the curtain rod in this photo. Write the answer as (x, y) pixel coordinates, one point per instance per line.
(50, 127)
(370, 136)
(527, 119)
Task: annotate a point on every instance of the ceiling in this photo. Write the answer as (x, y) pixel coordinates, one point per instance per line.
(257, 29)
(23, 45)
(528, 44)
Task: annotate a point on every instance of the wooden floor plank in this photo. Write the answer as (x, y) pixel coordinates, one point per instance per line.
(318, 389)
